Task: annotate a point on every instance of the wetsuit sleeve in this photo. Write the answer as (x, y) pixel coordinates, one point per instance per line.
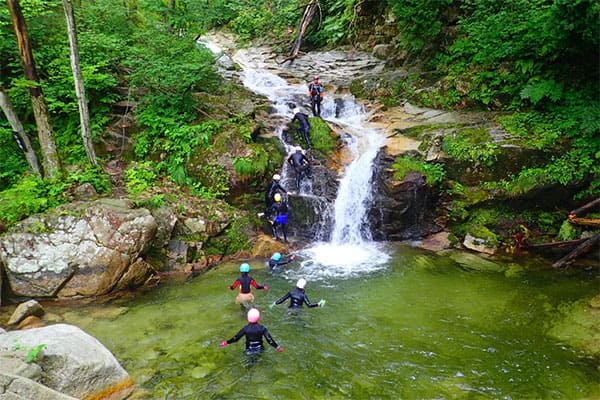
(269, 339)
(256, 285)
(308, 303)
(237, 336)
(235, 284)
(295, 118)
(284, 298)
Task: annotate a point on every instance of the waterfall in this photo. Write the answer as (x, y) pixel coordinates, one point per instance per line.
(350, 250)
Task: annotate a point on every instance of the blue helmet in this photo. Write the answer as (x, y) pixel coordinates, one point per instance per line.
(245, 267)
(276, 256)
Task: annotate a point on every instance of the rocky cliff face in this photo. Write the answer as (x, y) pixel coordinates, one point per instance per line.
(403, 209)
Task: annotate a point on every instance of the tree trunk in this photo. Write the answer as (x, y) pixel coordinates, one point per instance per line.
(17, 127)
(581, 249)
(38, 102)
(591, 206)
(309, 13)
(84, 114)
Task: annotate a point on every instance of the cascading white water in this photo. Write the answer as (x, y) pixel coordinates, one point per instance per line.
(351, 250)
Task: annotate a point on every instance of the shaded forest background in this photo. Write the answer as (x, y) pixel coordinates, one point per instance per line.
(536, 61)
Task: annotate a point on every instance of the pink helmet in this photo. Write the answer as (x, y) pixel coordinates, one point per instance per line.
(253, 315)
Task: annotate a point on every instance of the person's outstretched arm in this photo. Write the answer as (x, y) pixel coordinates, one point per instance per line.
(284, 298)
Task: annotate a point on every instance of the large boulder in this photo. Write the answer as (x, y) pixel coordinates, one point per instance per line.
(14, 387)
(401, 210)
(71, 362)
(80, 249)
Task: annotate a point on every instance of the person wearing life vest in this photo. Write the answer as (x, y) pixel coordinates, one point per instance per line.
(277, 260)
(277, 215)
(304, 128)
(254, 333)
(298, 297)
(315, 92)
(244, 282)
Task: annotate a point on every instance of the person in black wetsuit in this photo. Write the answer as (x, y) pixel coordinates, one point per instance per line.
(300, 163)
(245, 296)
(254, 333)
(277, 216)
(304, 128)
(277, 260)
(298, 297)
(274, 187)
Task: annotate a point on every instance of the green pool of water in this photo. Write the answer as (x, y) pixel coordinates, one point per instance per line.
(423, 327)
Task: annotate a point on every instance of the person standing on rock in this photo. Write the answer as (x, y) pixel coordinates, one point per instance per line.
(245, 296)
(315, 92)
(254, 332)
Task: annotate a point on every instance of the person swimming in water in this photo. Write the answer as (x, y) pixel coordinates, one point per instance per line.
(245, 296)
(277, 260)
(298, 297)
(254, 333)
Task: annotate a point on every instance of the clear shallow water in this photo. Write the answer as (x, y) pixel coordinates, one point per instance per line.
(417, 327)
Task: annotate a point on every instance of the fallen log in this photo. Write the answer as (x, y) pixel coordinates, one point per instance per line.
(566, 244)
(585, 208)
(309, 13)
(579, 250)
(584, 221)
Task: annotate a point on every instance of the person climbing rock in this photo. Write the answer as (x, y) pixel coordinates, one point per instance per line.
(274, 187)
(315, 91)
(244, 282)
(304, 128)
(254, 333)
(277, 215)
(300, 164)
(298, 297)
(277, 260)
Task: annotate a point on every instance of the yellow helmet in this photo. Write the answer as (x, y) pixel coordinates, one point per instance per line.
(277, 197)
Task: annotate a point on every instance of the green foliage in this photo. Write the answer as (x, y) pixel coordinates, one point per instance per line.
(213, 182)
(140, 178)
(31, 195)
(567, 231)
(420, 21)
(255, 166)
(12, 159)
(88, 174)
(520, 52)
(320, 135)
(33, 353)
(575, 127)
(176, 144)
(28, 196)
(434, 173)
(152, 202)
(471, 145)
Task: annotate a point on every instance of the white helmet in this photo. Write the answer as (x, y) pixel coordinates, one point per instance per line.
(296, 110)
(301, 283)
(298, 148)
(276, 177)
